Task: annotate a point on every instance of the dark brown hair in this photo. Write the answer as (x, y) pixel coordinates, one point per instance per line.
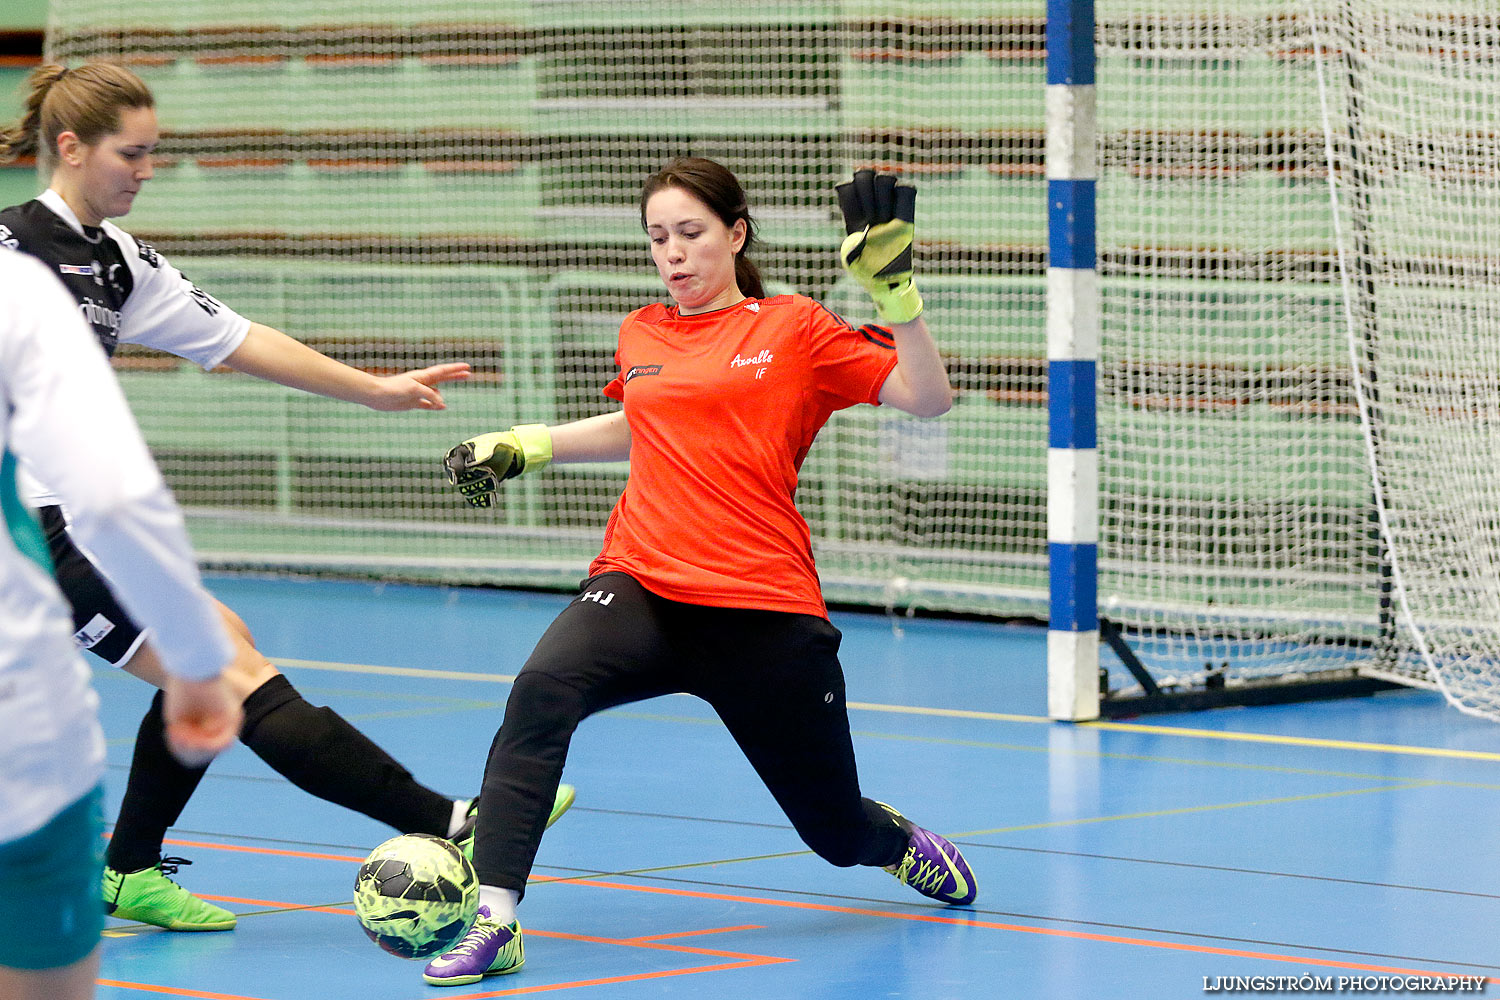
(86, 101)
(716, 186)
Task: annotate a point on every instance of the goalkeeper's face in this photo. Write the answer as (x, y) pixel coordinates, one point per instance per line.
(111, 171)
(694, 251)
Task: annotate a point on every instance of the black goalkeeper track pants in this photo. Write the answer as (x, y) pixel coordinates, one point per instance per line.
(773, 678)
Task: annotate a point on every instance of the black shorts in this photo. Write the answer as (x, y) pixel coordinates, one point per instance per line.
(100, 624)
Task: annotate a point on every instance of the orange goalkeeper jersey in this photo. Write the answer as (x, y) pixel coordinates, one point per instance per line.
(722, 408)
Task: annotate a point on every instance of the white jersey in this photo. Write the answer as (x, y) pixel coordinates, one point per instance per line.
(62, 412)
(125, 290)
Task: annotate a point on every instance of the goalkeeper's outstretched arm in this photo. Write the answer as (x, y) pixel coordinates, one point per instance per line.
(880, 217)
(919, 383)
(605, 438)
(480, 464)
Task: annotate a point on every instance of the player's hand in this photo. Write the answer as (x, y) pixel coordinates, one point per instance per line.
(416, 390)
(479, 465)
(880, 217)
(202, 718)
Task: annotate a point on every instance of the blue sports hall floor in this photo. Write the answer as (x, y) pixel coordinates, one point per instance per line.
(1348, 844)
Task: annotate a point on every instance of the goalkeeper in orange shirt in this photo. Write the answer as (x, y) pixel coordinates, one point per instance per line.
(706, 582)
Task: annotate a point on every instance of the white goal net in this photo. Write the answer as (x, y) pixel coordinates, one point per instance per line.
(1301, 360)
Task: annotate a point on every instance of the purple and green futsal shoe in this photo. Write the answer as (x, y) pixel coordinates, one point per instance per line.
(489, 949)
(933, 865)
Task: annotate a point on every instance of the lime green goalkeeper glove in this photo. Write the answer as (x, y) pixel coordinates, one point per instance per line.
(879, 215)
(480, 464)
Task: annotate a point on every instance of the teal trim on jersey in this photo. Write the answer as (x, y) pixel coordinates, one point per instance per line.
(19, 520)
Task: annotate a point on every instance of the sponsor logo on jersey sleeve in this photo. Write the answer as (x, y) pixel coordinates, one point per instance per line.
(94, 632)
(642, 370)
(148, 253)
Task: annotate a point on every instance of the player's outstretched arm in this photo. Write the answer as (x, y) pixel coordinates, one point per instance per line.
(69, 423)
(880, 217)
(202, 718)
(272, 355)
(477, 466)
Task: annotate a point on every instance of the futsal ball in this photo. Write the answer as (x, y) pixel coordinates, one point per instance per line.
(416, 895)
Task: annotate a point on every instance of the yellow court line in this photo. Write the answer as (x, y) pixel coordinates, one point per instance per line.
(1189, 810)
(1297, 741)
(945, 713)
(1202, 734)
(961, 713)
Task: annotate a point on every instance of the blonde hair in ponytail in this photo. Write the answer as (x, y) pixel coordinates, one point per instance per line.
(86, 101)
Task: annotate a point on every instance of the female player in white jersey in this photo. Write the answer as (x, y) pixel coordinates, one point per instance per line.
(63, 414)
(94, 127)
(706, 582)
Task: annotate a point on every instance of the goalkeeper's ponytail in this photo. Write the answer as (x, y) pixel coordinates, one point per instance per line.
(747, 275)
(716, 186)
(86, 101)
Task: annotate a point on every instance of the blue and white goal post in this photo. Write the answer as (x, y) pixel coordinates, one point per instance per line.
(1072, 360)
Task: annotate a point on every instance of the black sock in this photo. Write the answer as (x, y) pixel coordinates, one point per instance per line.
(320, 753)
(157, 790)
(888, 845)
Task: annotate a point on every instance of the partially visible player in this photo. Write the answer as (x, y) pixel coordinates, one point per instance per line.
(94, 128)
(706, 582)
(62, 413)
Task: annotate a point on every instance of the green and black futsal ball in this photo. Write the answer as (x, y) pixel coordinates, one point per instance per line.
(416, 895)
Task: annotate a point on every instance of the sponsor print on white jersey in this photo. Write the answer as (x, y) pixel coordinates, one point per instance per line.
(94, 632)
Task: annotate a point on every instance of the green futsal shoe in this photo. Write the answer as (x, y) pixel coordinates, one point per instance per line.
(464, 838)
(150, 897)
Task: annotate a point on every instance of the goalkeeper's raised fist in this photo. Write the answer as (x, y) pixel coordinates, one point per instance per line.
(480, 464)
(880, 217)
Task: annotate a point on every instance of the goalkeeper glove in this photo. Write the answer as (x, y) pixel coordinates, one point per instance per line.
(480, 464)
(879, 216)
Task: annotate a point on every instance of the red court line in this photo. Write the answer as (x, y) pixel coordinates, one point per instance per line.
(681, 934)
(278, 904)
(741, 960)
(653, 946)
(640, 977)
(1017, 928)
(175, 991)
(892, 915)
(246, 849)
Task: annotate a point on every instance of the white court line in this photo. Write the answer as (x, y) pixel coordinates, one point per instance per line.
(365, 668)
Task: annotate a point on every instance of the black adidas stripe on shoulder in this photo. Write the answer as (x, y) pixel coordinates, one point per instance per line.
(877, 335)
